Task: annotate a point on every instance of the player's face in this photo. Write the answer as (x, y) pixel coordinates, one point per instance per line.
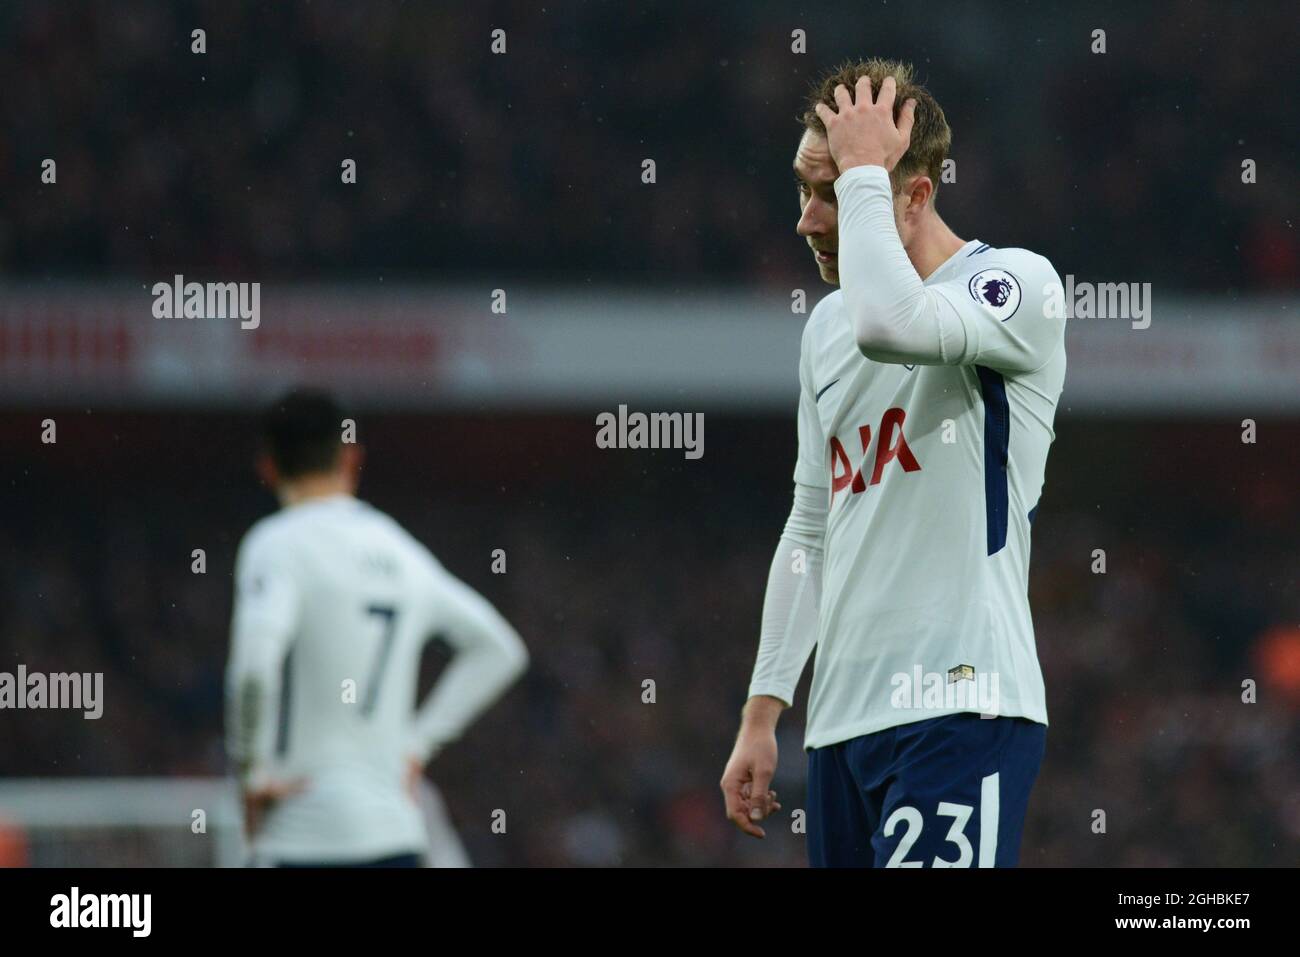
(816, 173)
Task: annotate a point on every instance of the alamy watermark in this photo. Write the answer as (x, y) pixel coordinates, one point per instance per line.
(133, 912)
(654, 430)
(1100, 300)
(212, 300)
(59, 690)
(961, 688)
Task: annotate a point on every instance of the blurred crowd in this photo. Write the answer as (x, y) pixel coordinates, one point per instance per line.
(1122, 166)
(624, 567)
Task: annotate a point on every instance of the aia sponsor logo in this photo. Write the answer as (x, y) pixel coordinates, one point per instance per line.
(890, 446)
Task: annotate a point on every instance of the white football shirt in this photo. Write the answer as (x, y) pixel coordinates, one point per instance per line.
(932, 457)
(334, 604)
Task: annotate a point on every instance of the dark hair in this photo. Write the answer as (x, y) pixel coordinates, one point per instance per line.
(302, 431)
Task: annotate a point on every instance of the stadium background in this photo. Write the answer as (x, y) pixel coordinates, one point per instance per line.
(521, 172)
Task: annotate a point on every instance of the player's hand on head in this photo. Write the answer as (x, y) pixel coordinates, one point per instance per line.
(861, 131)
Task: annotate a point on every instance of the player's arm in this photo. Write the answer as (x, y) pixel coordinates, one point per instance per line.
(263, 624)
(488, 655)
(787, 635)
(894, 316)
(789, 626)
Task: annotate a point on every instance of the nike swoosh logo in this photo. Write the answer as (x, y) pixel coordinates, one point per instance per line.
(823, 391)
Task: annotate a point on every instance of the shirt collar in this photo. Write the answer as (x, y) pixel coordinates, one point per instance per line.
(958, 256)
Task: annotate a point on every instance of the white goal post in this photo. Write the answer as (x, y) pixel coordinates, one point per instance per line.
(120, 822)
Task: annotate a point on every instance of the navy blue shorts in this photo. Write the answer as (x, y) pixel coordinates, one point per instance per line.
(397, 860)
(945, 792)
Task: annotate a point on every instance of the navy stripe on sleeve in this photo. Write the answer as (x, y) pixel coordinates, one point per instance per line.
(997, 437)
(286, 702)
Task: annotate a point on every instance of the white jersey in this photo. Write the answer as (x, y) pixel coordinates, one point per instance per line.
(334, 604)
(932, 462)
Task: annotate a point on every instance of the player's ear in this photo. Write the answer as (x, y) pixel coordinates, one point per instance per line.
(266, 470)
(919, 192)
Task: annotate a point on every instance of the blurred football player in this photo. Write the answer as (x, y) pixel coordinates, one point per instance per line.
(929, 382)
(334, 603)
(444, 845)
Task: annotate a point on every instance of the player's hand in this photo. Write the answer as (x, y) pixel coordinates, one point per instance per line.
(748, 773)
(861, 132)
(259, 800)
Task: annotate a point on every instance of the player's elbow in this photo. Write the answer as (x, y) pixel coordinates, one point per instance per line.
(870, 337)
(880, 341)
(896, 335)
(519, 663)
(875, 325)
(516, 658)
